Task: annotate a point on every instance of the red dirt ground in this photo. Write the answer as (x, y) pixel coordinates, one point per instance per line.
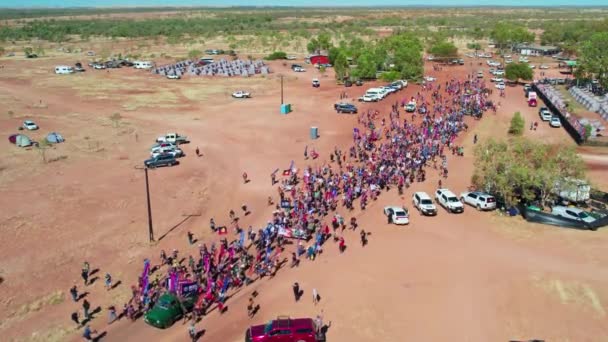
(472, 277)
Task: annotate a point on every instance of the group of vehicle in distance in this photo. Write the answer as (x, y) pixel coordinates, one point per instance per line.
(166, 151)
(379, 93)
(422, 202)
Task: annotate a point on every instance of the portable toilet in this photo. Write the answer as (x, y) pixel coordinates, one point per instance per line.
(285, 108)
(314, 133)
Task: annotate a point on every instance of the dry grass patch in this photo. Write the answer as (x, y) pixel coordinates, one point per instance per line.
(571, 293)
(160, 98)
(53, 334)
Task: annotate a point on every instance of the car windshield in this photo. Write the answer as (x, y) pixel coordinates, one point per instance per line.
(426, 201)
(164, 303)
(400, 213)
(583, 215)
(452, 199)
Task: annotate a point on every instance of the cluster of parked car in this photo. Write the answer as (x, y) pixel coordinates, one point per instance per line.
(166, 151)
(546, 115)
(445, 198)
(379, 93)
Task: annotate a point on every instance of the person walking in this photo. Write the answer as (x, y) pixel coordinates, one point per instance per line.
(192, 332)
(111, 314)
(251, 308)
(88, 333)
(75, 318)
(245, 178)
(198, 152)
(296, 291)
(363, 238)
(315, 296)
(85, 308)
(108, 281)
(85, 273)
(190, 238)
(212, 225)
(74, 293)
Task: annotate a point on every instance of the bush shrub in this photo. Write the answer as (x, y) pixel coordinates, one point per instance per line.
(517, 124)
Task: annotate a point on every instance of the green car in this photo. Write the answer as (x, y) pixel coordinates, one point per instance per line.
(168, 310)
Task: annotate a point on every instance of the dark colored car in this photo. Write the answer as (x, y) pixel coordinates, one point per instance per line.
(161, 160)
(348, 83)
(345, 108)
(78, 67)
(284, 330)
(168, 310)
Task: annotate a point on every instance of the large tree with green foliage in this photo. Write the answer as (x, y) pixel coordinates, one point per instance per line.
(517, 71)
(443, 49)
(594, 57)
(521, 168)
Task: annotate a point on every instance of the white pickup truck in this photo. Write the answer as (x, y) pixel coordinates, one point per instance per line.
(173, 138)
(449, 201)
(241, 94)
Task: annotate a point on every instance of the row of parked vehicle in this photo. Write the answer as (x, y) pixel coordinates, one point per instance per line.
(379, 93)
(445, 198)
(166, 151)
(546, 115)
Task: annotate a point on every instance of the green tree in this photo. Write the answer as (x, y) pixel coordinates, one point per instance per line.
(443, 49)
(517, 124)
(340, 64)
(474, 46)
(192, 54)
(276, 55)
(506, 34)
(594, 57)
(28, 50)
(522, 168)
(516, 71)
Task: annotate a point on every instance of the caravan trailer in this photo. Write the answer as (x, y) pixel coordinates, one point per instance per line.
(64, 69)
(143, 65)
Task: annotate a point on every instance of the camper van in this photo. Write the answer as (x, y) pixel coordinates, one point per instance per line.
(64, 69)
(142, 65)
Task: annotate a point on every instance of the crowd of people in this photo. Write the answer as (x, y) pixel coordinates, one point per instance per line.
(315, 202)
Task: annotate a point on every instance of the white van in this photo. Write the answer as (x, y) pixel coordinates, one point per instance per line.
(142, 65)
(64, 69)
(375, 93)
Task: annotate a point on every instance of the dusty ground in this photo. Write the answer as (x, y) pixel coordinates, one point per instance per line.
(472, 277)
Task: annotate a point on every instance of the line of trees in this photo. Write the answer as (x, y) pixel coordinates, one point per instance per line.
(399, 54)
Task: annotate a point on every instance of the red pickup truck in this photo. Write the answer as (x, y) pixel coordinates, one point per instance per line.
(285, 329)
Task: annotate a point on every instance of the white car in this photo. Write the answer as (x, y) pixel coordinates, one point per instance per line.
(449, 201)
(506, 56)
(523, 60)
(389, 90)
(174, 77)
(175, 152)
(508, 61)
(572, 213)
(543, 66)
(532, 66)
(497, 80)
(500, 86)
(368, 98)
(545, 114)
(423, 202)
(397, 215)
(479, 200)
(99, 66)
(430, 78)
(498, 73)
(299, 69)
(241, 94)
(30, 125)
(291, 58)
(555, 122)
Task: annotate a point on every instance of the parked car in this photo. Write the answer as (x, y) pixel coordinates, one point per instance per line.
(389, 90)
(168, 310)
(572, 213)
(555, 121)
(291, 58)
(410, 107)
(359, 83)
(368, 98)
(543, 66)
(345, 108)
(285, 329)
(161, 160)
(172, 138)
(241, 94)
(545, 114)
(500, 86)
(159, 145)
(532, 66)
(480, 74)
(479, 200)
(397, 215)
(430, 78)
(498, 73)
(173, 151)
(78, 67)
(98, 66)
(316, 83)
(297, 68)
(497, 80)
(449, 201)
(30, 125)
(423, 202)
(174, 77)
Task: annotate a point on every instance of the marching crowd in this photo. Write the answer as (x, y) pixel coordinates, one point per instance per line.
(391, 152)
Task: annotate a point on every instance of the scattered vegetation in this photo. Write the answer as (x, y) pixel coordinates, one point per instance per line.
(517, 71)
(518, 124)
(276, 55)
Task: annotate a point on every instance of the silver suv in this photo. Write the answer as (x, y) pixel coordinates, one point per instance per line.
(479, 200)
(424, 203)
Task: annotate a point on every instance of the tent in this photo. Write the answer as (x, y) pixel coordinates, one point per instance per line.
(54, 138)
(20, 140)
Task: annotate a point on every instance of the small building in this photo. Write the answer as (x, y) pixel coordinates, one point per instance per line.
(537, 50)
(319, 59)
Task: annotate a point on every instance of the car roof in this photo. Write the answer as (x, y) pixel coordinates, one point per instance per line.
(422, 194)
(394, 207)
